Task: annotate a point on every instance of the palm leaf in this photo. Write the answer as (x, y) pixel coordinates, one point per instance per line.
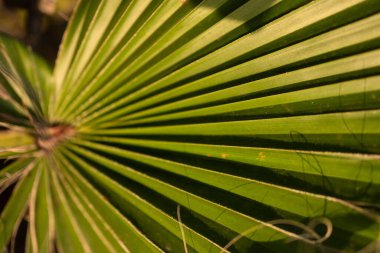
(197, 126)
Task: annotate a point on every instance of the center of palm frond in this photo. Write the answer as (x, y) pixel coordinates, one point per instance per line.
(51, 136)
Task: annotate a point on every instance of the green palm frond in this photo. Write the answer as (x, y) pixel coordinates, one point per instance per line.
(196, 126)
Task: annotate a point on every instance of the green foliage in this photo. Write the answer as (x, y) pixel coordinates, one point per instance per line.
(197, 126)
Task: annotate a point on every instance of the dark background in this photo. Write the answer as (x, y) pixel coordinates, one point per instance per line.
(38, 23)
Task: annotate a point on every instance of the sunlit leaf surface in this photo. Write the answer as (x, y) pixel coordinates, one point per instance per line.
(196, 126)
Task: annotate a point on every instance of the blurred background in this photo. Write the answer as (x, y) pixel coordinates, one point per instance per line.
(38, 23)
